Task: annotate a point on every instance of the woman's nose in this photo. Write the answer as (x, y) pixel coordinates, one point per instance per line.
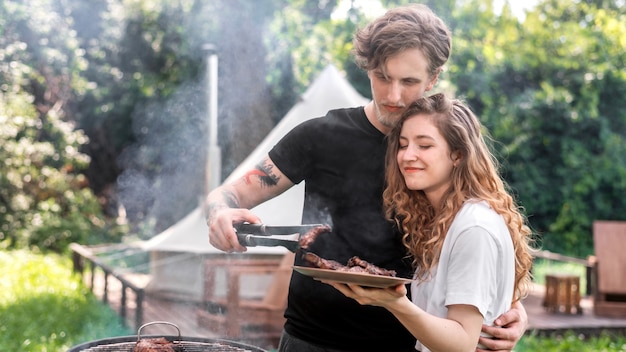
(410, 154)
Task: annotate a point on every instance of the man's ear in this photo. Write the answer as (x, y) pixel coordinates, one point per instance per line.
(434, 80)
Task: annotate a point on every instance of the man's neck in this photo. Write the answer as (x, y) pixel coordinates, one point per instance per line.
(372, 117)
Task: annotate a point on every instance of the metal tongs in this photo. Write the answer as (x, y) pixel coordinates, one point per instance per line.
(251, 235)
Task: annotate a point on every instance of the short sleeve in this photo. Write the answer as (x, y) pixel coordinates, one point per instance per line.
(472, 269)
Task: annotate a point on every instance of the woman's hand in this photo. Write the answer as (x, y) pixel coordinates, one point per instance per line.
(373, 296)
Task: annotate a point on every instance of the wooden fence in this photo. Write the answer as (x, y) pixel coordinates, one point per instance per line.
(82, 255)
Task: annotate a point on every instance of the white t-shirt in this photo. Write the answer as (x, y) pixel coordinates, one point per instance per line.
(476, 267)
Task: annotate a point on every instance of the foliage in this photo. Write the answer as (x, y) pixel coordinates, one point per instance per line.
(549, 90)
(44, 307)
(45, 200)
(308, 54)
(130, 74)
(569, 341)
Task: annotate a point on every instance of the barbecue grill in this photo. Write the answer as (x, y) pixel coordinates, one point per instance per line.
(179, 343)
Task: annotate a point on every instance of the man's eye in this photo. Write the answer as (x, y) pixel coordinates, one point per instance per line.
(381, 77)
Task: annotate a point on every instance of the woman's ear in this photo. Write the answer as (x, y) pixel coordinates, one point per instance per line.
(456, 158)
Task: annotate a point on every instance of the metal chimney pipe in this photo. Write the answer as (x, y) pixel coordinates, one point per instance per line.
(214, 160)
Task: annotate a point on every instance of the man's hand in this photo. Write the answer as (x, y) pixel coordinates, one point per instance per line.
(221, 232)
(508, 329)
(222, 210)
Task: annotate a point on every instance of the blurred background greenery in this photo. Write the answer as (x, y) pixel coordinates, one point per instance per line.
(104, 127)
(103, 112)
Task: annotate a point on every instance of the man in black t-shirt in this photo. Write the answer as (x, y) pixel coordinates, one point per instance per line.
(341, 158)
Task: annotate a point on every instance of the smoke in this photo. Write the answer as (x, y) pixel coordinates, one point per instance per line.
(164, 170)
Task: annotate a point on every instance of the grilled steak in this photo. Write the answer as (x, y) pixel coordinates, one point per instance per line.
(323, 263)
(355, 265)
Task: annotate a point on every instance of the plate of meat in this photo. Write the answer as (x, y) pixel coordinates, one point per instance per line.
(357, 271)
(348, 277)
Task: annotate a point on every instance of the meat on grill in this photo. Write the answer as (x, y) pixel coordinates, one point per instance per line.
(355, 265)
(310, 236)
(159, 344)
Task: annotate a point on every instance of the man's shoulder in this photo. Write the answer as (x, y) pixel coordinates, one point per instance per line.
(346, 117)
(334, 116)
(351, 112)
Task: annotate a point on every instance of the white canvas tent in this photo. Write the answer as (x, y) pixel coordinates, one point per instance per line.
(176, 259)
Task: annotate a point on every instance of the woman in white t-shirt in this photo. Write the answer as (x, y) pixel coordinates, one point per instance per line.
(468, 238)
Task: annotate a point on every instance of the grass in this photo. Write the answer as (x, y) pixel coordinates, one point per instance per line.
(45, 308)
(573, 342)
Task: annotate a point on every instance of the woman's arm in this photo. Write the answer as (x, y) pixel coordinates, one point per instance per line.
(459, 331)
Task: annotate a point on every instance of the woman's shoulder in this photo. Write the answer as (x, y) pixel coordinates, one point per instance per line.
(476, 207)
(477, 213)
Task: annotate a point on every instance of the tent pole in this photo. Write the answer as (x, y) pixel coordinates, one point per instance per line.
(214, 163)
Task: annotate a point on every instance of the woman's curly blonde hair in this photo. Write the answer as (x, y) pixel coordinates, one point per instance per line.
(475, 177)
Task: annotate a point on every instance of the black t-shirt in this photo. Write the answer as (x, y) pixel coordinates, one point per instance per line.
(341, 158)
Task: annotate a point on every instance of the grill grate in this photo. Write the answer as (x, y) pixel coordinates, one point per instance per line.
(179, 346)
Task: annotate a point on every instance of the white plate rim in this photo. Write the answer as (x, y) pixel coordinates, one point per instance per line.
(362, 279)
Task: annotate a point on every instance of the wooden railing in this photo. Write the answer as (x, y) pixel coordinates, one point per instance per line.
(82, 255)
(588, 264)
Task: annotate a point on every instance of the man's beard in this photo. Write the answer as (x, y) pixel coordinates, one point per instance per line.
(389, 119)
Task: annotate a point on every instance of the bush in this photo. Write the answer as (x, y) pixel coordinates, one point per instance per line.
(45, 201)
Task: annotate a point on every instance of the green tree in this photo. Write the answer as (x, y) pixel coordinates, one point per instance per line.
(45, 201)
(548, 90)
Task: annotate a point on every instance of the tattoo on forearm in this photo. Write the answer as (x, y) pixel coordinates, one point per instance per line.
(264, 172)
(229, 201)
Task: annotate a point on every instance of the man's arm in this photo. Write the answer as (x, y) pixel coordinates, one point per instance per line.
(508, 330)
(229, 203)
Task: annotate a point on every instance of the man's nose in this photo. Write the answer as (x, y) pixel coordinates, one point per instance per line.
(394, 93)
